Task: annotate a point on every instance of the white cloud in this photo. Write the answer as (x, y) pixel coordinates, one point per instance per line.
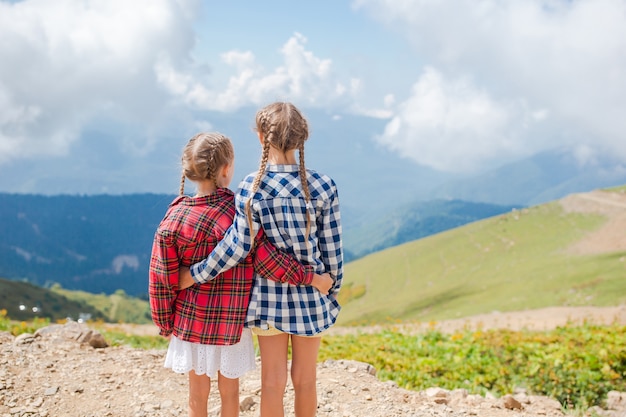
(561, 61)
(451, 125)
(66, 62)
(302, 77)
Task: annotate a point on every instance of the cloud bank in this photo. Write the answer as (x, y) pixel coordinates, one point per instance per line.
(508, 79)
(492, 81)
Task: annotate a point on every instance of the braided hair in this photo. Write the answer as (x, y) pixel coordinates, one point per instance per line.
(203, 156)
(284, 127)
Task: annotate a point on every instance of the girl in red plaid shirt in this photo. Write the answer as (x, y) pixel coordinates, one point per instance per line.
(205, 322)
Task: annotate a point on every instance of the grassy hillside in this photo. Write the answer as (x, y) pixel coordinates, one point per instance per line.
(414, 221)
(509, 262)
(115, 308)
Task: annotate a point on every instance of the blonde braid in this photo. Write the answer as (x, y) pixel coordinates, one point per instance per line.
(210, 171)
(182, 184)
(255, 185)
(305, 187)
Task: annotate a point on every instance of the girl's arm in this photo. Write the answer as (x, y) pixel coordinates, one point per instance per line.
(276, 265)
(163, 282)
(330, 244)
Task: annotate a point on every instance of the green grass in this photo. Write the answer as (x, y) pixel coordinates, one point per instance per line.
(577, 366)
(618, 189)
(18, 327)
(115, 336)
(510, 262)
(118, 337)
(116, 308)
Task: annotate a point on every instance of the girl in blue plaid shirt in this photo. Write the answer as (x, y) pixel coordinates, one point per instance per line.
(298, 209)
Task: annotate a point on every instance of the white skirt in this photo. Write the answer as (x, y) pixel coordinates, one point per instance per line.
(232, 361)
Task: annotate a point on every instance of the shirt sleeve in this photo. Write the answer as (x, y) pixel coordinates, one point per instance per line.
(273, 264)
(163, 282)
(231, 250)
(330, 244)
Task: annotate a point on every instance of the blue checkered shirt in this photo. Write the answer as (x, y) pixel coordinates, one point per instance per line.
(279, 207)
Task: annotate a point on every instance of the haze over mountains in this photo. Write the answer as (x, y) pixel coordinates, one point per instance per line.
(371, 178)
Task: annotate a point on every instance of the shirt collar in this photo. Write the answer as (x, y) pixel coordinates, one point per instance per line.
(212, 198)
(282, 168)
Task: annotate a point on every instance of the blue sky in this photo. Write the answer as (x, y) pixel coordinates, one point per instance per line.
(459, 84)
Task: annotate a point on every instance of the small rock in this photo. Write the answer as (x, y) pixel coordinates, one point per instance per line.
(24, 338)
(511, 403)
(97, 341)
(246, 404)
(616, 400)
(37, 402)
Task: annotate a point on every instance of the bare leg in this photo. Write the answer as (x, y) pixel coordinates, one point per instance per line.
(199, 389)
(229, 394)
(273, 374)
(304, 352)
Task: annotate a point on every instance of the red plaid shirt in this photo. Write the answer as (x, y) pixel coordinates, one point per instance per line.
(211, 313)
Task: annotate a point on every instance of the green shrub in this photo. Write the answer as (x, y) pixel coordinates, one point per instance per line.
(577, 366)
(18, 327)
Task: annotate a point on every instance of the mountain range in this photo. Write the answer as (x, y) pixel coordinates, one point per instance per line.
(372, 179)
(102, 243)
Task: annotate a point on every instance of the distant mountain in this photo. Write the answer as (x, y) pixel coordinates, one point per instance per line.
(568, 252)
(538, 179)
(95, 243)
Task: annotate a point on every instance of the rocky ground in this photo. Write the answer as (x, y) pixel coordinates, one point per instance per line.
(67, 370)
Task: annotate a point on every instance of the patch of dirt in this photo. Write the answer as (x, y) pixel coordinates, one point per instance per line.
(540, 319)
(611, 236)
